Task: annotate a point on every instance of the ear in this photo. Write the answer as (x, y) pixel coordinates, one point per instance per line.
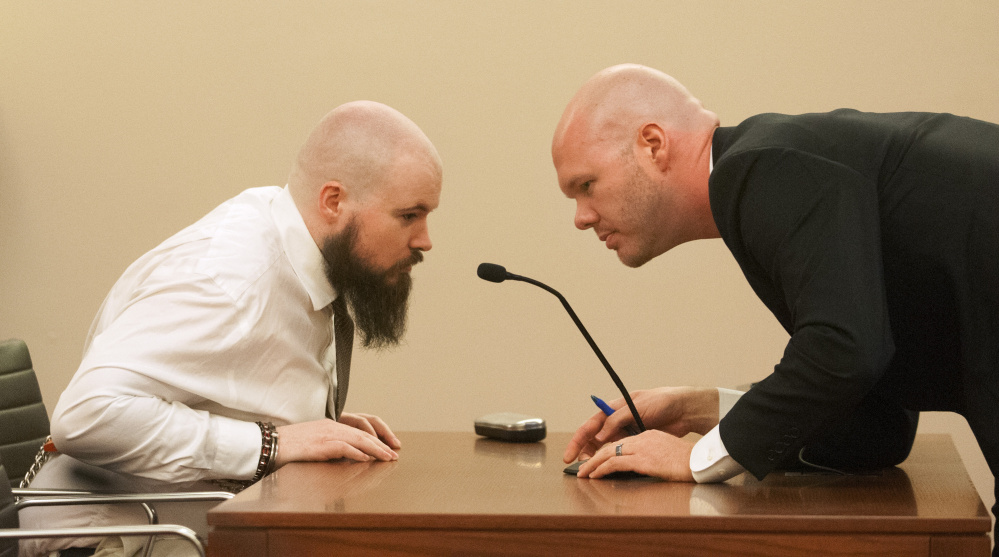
(332, 196)
(652, 139)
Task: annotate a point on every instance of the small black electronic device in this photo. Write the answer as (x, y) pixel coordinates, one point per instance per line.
(573, 469)
(507, 426)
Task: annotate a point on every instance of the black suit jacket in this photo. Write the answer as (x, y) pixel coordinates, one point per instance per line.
(874, 240)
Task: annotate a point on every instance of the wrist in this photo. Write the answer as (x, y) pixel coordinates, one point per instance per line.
(283, 456)
(702, 410)
(687, 472)
(268, 451)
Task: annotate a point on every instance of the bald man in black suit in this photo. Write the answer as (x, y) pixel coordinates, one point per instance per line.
(873, 239)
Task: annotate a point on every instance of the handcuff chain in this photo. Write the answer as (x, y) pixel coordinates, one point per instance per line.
(41, 458)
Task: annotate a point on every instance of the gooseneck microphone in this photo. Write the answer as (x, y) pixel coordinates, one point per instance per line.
(497, 273)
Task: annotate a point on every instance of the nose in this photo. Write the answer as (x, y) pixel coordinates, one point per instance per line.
(421, 239)
(585, 216)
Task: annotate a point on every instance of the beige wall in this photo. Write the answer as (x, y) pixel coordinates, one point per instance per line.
(121, 122)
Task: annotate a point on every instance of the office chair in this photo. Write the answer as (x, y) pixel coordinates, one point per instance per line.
(25, 423)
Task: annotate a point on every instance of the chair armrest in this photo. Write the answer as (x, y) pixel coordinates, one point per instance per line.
(68, 497)
(152, 530)
(32, 492)
(143, 499)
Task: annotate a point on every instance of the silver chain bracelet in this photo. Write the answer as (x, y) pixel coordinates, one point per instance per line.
(41, 458)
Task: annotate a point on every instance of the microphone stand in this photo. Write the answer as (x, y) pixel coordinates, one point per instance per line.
(589, 339)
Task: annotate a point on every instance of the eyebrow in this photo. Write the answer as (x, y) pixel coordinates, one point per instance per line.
(417, 207)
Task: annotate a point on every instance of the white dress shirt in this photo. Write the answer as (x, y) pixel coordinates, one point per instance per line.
(225, 323)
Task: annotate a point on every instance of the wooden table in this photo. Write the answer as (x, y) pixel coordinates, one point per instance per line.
(456, 493)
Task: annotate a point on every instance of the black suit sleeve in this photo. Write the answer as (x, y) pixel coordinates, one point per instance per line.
(806, 232)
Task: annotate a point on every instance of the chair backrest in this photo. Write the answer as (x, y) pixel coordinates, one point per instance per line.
(24, 424)
(8, 514)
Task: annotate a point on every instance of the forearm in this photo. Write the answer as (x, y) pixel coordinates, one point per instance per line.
(101, 421)
(701, 410)
(705, 407)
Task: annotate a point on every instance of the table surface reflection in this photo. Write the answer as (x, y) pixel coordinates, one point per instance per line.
(468, 482)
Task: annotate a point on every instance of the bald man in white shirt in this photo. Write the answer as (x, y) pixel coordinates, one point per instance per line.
(212, 360)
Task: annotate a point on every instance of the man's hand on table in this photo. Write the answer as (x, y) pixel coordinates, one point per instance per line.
(360, 437)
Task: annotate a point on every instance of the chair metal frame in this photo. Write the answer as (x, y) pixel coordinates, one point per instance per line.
(152, 530)
(61, 497)
(33, 497)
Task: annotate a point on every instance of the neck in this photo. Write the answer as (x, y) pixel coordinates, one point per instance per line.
(695, 176)
(705, 224)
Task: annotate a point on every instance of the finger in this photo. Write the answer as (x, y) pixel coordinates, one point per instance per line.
(613, 458)
(364, 425)
(588, 451)
(346, 450)
(363, 441)
(613, 464)
(359, 421)
(611, 437)
(594, 462)
(383, 432)
(614, 427)
(373, 446)
(616, 423)
(583, 437)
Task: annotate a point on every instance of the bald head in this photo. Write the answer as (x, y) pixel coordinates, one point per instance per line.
(633, 150)
(357, 144)
(615, 103)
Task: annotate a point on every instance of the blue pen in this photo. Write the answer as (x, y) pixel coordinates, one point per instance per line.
(630, 429)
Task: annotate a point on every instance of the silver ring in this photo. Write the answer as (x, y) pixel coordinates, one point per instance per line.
(617, 450)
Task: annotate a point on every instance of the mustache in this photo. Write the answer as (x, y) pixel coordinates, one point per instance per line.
(415, 256)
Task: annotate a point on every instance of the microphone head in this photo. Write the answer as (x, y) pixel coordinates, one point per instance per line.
(492, 272)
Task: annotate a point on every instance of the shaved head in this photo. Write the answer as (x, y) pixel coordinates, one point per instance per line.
(633, 150)
(365, 182)
(356, 144)
(616, 102)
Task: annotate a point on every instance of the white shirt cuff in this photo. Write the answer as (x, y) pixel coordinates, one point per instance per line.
(237, 449)
(709, 460)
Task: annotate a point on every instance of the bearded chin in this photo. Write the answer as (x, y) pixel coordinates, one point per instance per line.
(378, 299)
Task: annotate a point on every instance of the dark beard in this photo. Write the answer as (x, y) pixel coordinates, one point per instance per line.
(378, 306)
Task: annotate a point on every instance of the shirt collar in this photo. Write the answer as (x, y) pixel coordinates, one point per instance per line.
(301, 249)
(711, 158)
